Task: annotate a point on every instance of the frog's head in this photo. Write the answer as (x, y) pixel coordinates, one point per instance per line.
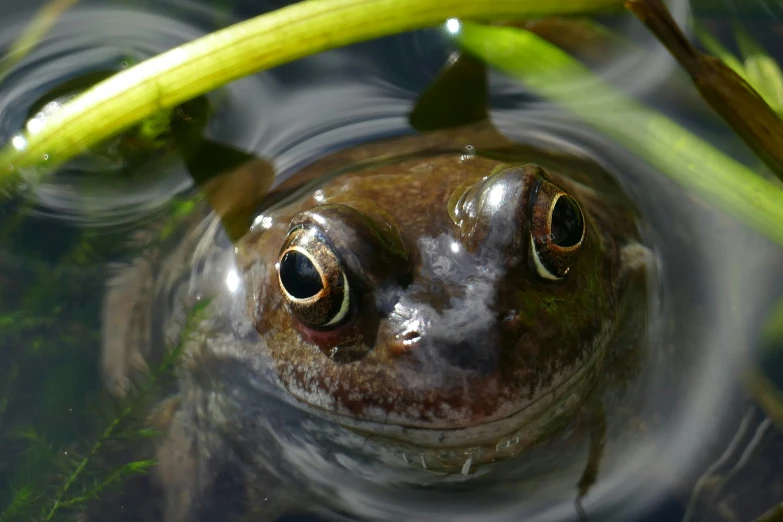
(444, 300)
(435, 296)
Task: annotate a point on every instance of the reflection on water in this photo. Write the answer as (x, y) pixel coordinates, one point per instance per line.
(119, 36)
(64, 236)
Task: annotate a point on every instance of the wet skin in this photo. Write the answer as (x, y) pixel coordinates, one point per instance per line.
(448, 292)
(413, 292)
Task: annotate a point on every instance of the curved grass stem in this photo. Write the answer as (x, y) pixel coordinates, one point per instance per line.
(680, 154)
(266, 41)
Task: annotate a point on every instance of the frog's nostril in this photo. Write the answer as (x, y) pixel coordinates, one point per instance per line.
(410, 337)
(405, 341)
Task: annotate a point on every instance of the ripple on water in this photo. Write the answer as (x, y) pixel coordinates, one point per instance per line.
(344, 97)
(709, 268)
(91, 190)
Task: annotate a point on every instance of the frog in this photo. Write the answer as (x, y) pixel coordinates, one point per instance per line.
(405, 317)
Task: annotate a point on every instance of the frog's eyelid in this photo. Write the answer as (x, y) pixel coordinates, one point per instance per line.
(552, 210)
(540, 268)
(345, 306)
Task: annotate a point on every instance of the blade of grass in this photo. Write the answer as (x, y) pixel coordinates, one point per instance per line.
(729, 95)
(762, 71)
(42, 21)
(281, 36)
(757, 68)
(715, 47)
(684, 157)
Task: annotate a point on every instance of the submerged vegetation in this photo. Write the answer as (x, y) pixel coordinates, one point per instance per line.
(53, 471)
(65, 442)
(48, 320)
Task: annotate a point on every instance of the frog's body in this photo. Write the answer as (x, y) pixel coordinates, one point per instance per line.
(417, 307)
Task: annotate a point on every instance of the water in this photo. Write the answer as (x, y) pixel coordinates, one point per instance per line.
(61, 237)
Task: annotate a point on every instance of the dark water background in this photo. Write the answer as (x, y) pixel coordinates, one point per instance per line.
(58, 237)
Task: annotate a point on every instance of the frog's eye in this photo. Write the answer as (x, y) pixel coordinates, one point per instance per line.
(557, 231)
(312, 280)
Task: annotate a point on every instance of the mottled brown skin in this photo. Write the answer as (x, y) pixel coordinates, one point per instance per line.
(540, 331)
(501, 360)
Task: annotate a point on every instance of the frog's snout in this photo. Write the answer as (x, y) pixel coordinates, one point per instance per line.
(406, 326)
(461, 332)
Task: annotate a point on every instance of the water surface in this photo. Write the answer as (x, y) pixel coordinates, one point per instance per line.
(60, 237)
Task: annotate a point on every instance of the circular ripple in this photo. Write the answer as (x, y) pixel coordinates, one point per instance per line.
(89, 190)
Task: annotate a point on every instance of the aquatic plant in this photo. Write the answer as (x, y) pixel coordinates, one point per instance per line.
(63, 477)
(680, 154)
(52, 464)
(171, 78)
(683, 156)
(728, 93)
(138, 398)
(754, 64)
(40, 24)
(272, 39)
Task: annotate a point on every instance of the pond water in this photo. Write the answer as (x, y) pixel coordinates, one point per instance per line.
(66, 444)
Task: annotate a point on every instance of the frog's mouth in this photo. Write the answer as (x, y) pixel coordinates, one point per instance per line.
(447, 450)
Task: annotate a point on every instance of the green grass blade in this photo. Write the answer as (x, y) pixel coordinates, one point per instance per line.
(269, 40)
(41, 23)
(761, 70)
(684, 157)
(717, 49)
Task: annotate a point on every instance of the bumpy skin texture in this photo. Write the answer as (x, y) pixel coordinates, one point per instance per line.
(491, 339)
(454, 350)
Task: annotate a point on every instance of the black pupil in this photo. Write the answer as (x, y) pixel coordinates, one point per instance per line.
(566, 222)
(299, 276)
